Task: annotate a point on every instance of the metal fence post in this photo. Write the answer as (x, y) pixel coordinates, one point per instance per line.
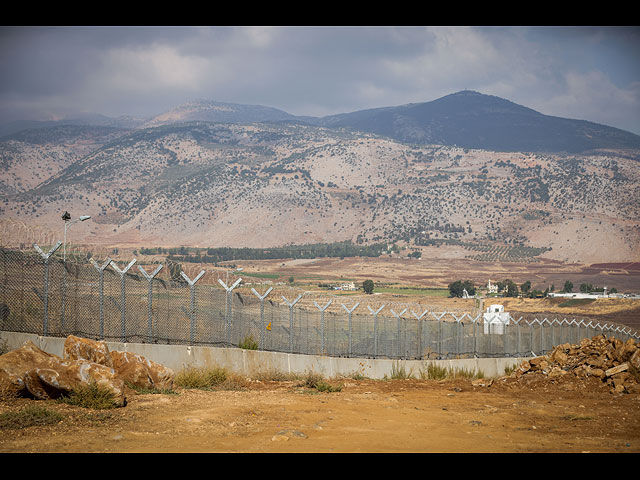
(375, 328)
(350, 311)
(123, 301)
(475, 322)
(228, 312)
(45, 298)
(192, 309)
(149, 278)
(100, 269)
(419, 330)
(291, 304)
(398, 321)
(263, 329)
(458, 335)
(322, 329)
(439, 319)
(519, 334)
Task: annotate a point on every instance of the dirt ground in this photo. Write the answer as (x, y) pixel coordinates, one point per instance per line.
(365, 416)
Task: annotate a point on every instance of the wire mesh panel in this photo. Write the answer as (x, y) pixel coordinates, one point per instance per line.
(41, 294)
(22, 292)
(362, 339)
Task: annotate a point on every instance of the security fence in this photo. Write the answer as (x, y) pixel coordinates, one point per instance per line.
(105, 300)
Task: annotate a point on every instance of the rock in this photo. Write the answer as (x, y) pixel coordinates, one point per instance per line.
(77, 348)
(559, 356)
(618, 369)
(634, 359)
(15, 364)
(597, 362)
(556, 371)
(83, 372)
(45, 383)
(142, 372)
(482, 382)
(608, 361)
(30, 371)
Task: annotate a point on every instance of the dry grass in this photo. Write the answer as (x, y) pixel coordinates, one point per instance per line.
(213, 378)
(29, 416)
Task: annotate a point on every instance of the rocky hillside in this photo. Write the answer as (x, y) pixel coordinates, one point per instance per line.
(259, 185)
(278, 180)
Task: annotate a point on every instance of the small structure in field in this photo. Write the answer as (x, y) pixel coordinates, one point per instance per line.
(495, 320)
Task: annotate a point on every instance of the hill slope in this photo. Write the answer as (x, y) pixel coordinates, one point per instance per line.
(269, 184)
(474, 120)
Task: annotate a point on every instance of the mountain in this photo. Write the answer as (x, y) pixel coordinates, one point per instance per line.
(128, 122)
(210, 111)
(473, 120)
(270, 184)
(465, 119)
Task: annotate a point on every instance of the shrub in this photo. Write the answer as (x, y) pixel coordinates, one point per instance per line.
(200, 378)
(90, 396)
(398, 372)
(209, 379)
(436, 372)
(29, 416)
(316, 381)
(368, 286)
(249, 343)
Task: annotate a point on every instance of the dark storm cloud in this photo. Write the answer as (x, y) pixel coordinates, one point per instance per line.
(586, 73)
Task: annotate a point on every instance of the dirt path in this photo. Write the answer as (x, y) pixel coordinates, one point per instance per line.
(364, 416)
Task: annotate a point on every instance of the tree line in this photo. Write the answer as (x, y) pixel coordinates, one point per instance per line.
(223, 254)
(509, 288)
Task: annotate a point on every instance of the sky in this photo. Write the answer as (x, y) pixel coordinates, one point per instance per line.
(579, 72)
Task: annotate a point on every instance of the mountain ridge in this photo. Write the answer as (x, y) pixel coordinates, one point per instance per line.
(291, 179)
(467, 119)
(266, 185)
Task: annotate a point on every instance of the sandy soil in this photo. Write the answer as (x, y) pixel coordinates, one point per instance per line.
(364, 416)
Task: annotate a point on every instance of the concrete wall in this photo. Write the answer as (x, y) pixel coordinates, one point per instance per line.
(249, 362)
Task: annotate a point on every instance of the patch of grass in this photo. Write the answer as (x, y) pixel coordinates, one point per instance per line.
(274, 375)
(431, 292)
(577, 302)
(358, 376)
(29, 416)
(437, 372)
(249, 343)
(434, 372)
(509, 369)
(316, 381)
(200, 378)
(209, 379)
(90, 396)
(399, 372)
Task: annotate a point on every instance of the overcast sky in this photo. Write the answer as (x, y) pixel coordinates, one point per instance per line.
(587, 73)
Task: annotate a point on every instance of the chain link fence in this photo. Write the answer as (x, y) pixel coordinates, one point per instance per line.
(104, 300)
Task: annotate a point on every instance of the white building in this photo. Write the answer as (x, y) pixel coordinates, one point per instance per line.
(491, 288)
(495, 319)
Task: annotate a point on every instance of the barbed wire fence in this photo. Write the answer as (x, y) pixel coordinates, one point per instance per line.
(158, 302)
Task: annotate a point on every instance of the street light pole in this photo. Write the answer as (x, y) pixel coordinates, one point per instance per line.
(66, 217)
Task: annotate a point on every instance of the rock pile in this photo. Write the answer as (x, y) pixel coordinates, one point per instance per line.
(610, 360)
(32, 372)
